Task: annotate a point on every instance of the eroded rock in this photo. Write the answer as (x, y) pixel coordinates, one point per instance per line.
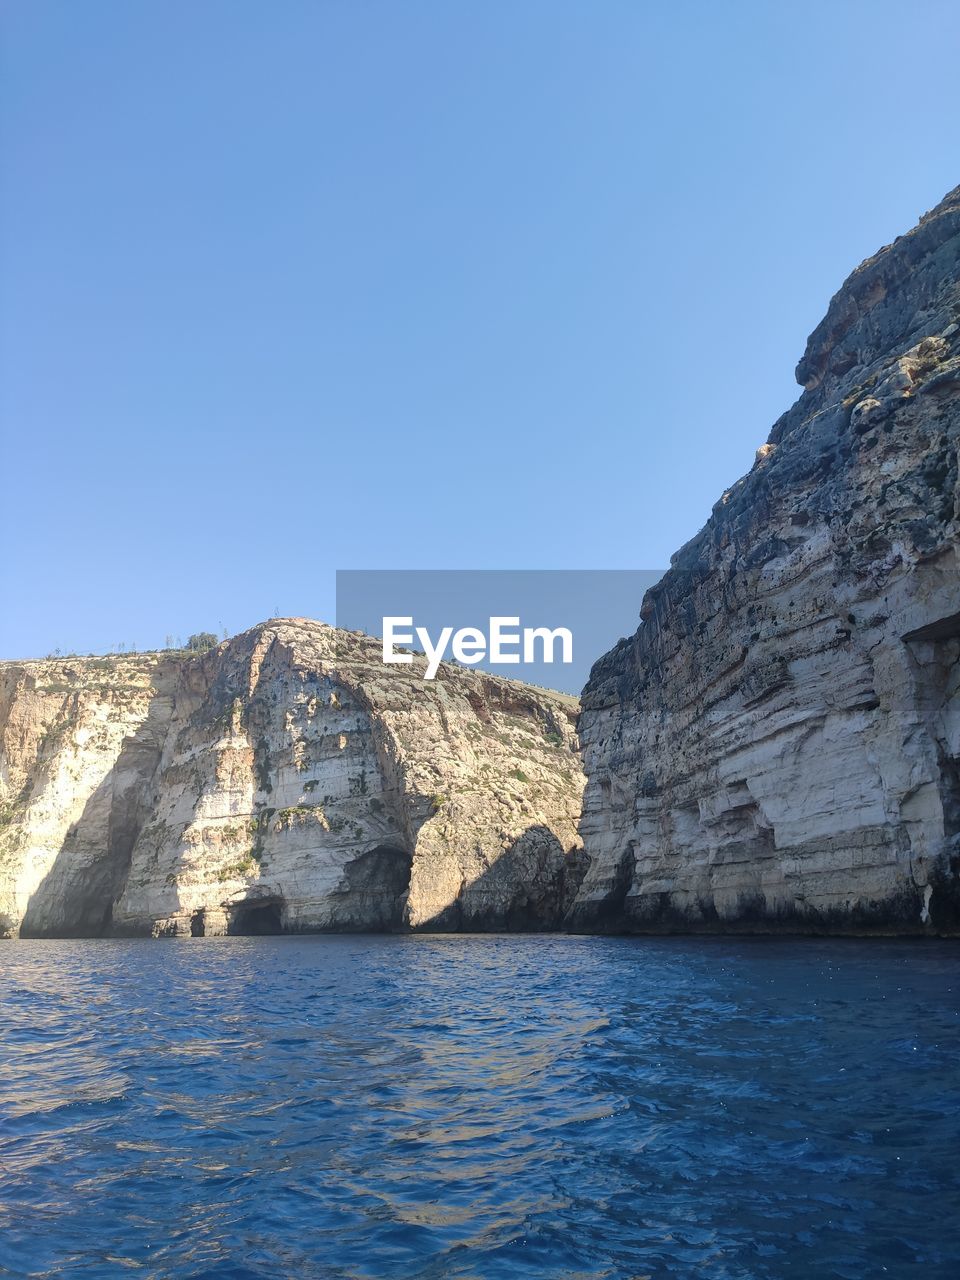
(285, 781)
(778, 746)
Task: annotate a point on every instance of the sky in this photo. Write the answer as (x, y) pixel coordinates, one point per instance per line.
(313, 285)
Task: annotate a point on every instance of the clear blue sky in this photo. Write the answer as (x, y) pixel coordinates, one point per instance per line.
(294, 286)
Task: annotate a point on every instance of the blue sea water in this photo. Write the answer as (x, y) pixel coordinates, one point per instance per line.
(480, 1106)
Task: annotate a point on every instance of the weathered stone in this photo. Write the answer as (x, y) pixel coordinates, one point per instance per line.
(284, 781)
(778, 746)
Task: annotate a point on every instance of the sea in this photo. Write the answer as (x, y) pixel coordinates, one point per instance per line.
(480, 1106)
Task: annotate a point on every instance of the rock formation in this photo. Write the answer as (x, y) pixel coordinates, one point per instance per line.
(776, 748)
(778, 745)
(285, 780)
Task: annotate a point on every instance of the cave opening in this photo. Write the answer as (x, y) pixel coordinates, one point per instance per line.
(374, 888)
(936, 653)
(256, 919)
(198, 923)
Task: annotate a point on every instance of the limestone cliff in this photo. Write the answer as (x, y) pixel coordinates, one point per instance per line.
(286, 780)
(778, 745)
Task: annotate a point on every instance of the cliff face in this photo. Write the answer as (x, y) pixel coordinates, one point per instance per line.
(778, 745)
(284, 781)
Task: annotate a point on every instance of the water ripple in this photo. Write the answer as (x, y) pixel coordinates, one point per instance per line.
(479, 1107)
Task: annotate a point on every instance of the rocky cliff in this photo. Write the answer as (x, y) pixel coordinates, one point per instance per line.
(286, 780)
(778, 745)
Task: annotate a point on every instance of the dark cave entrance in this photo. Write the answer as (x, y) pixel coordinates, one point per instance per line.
(198, 923)
(935, 650)
(936, 653)
(373, 890)
(256, 919)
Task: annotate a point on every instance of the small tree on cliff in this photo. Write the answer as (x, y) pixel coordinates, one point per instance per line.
(201, 642)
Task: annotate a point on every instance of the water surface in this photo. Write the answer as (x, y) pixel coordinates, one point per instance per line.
(480, 1107)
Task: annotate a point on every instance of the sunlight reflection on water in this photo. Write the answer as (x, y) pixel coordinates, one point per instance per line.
(479, 1107)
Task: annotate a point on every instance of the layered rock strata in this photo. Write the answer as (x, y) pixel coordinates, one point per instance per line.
(285, 781)
(778, 745)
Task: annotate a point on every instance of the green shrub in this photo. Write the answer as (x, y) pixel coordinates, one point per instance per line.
(201, 642)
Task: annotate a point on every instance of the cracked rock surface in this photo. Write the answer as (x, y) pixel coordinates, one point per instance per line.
(778, 745)
(284, 781)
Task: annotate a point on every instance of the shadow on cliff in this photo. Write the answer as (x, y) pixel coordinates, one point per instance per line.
(530, 888)
(76, 897)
